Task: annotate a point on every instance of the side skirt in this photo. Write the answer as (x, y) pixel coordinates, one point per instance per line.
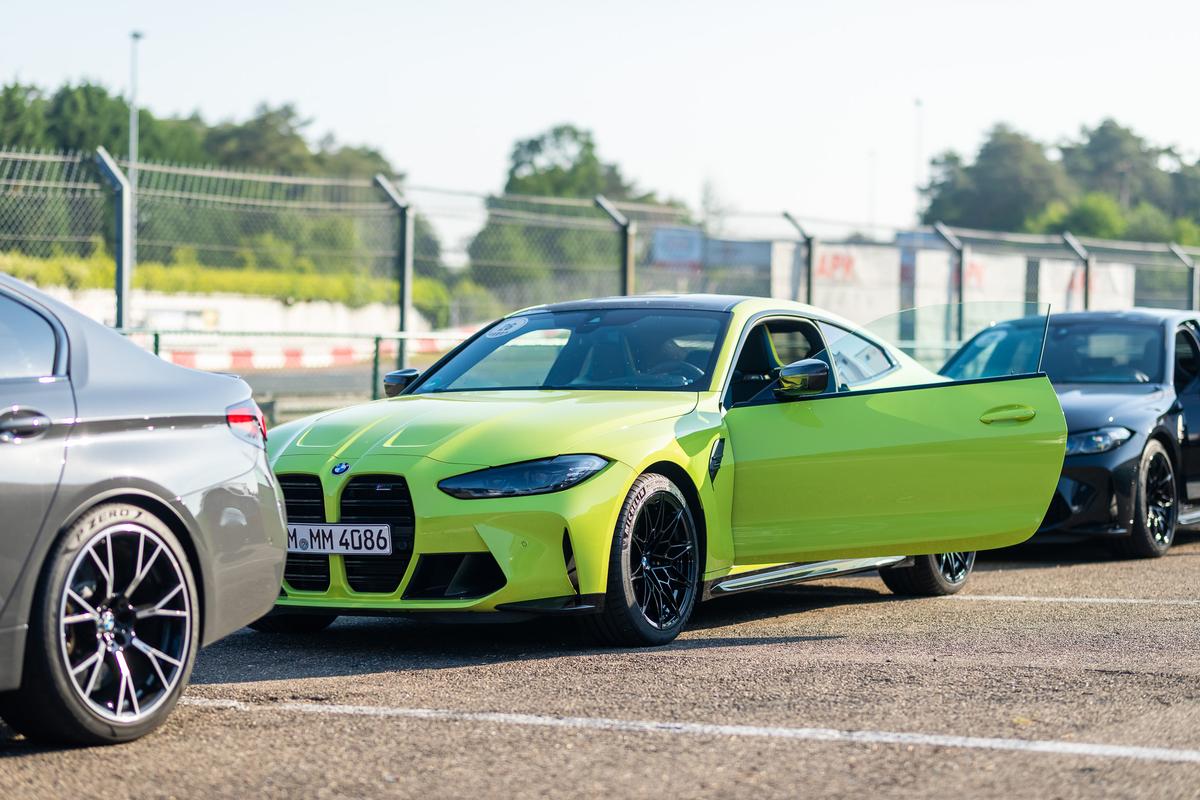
(795, 573)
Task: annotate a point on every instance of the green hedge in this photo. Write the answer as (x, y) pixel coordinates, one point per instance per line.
(430, 296)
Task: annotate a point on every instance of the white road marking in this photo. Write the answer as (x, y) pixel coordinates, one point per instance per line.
(1016, 598)
(1055, 747)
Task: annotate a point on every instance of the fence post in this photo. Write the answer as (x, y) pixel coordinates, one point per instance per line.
(1083, 255)
(628, 229)
(809, 255)
(960, 265)
(404, 260)
(124, 235)
(1190, 263)
(375, 368)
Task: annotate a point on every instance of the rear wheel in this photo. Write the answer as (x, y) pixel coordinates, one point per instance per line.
(931, 575)
(1157, 506)
(112, 633)
(293, 623)
(654, 567)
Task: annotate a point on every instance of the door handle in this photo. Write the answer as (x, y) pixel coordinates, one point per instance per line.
(1013, 413)
(18, 425)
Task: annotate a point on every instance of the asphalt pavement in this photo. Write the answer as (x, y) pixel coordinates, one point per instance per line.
(1058, 673)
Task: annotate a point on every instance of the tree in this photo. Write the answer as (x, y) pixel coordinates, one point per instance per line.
(1114, 160)
(562, 162)
(1010, 181)
(22, 117)
(272, 140)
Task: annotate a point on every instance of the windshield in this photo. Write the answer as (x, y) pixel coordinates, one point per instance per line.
(619, 348)
(1077, 351)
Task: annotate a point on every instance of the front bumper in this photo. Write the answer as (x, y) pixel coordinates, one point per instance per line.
(1096, 496)
(516, 555)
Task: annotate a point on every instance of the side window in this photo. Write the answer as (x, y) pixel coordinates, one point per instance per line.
(769, 346)
(27, 342)
(858, 360)
(1187, 360)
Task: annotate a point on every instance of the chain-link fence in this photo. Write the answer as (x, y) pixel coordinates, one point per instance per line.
(52, 204)
(221, 250)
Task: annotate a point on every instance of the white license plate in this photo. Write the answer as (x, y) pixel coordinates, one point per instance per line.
(352, 540)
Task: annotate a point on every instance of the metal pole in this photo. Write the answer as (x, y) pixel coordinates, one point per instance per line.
(134, 38)
(110, 170)
(960, 258)
(375, 369)
(1083, 255)
(809, 251)
(404, 260)
(1190, 263)
(628, 229)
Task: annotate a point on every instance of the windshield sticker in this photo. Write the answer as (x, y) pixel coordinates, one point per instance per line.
(507, 326)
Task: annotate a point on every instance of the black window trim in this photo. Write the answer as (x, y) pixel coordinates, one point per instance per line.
(59, 368)
(751, 324)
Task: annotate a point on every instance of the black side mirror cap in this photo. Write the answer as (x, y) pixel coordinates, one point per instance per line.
(397, 381)
(803, 379)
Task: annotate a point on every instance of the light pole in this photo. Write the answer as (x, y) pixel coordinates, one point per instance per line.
(919, 165)
(134, 38)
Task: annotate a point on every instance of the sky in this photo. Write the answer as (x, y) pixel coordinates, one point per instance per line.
(805, 106)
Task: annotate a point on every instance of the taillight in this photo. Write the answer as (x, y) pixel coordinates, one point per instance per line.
(246, 421)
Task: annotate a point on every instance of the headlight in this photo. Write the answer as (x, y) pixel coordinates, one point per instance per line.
(528, 477)
(1101, 441)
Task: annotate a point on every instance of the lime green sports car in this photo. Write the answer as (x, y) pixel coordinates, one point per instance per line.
(623, 459)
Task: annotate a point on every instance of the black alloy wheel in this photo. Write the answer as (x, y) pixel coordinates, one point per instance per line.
(654, 567)
(1156, 513)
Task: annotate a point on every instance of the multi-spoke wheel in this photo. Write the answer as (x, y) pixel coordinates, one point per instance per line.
(1157, 509)
(654, 566)
(113, 632)
(931, 575)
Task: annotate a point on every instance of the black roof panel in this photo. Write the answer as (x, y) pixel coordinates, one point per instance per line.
(689, 302)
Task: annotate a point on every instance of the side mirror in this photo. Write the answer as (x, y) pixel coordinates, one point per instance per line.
(803, 379)
(396, 382)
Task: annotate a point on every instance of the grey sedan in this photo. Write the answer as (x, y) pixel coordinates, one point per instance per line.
(140, 521)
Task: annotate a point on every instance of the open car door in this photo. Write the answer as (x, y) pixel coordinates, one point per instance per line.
(894, 458)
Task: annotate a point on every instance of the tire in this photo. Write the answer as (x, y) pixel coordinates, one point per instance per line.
(930, 576)
(109, 649)
(1156, 513)
(293, 623)
(647, 603)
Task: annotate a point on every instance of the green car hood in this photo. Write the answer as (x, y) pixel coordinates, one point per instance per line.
(482, 428)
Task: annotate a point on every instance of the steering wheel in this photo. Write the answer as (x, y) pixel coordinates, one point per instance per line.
(684, 369)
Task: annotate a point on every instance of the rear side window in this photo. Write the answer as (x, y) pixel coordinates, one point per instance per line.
(1187, 360)
(27, 342)
(858, 360)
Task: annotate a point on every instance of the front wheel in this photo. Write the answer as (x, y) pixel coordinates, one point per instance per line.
(112, 635)
(1157, 506)
(654, 567)
(930, 576)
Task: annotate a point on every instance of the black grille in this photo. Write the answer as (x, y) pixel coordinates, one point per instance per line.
(305, 502)
(379, 499)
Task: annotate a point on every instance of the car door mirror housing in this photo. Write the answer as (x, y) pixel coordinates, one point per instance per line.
(397, 381)
(803, 379)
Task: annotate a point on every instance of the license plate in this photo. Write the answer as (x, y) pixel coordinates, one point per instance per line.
(352, 540)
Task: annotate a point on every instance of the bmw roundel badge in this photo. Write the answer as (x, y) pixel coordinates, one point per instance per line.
(340, 468)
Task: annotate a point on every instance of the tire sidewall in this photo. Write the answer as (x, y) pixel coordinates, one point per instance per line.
(45, 648)
(644, 489)
(948, 586)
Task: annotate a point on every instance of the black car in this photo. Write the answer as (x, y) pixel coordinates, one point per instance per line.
(1129, 384)
(140, 522)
